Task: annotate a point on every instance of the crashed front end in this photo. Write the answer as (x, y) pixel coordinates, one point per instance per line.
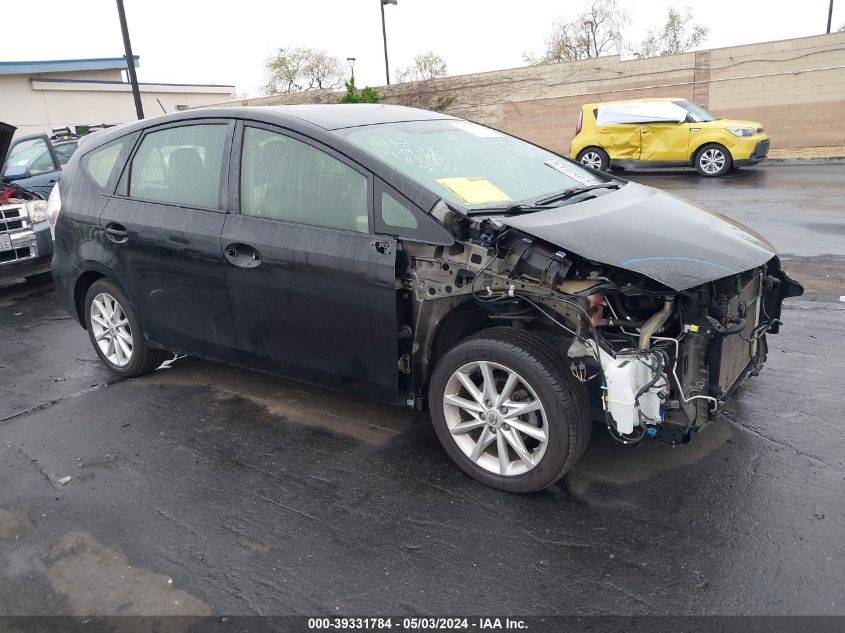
(660, 361)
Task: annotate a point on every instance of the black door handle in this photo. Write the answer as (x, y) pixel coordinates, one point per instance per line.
(117, 233)
(242, 255)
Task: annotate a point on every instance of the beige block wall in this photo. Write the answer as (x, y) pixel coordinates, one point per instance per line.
(795, 88)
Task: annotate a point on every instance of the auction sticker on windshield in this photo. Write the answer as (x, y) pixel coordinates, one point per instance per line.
(573, 172)
(474, 190)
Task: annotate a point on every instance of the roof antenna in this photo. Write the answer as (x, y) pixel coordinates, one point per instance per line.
(161, 106)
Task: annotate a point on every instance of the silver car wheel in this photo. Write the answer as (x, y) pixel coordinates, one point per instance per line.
(712, 161)
(496, 418)
(110, 327)
(591, 159)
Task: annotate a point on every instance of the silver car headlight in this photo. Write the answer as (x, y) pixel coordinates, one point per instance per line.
(742, 132)
(37, 211)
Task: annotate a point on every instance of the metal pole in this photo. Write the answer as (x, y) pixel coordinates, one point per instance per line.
(384, 35)
(130, 60)
(829, 15)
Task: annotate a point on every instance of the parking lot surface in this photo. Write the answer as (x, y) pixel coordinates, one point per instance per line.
(206, 489)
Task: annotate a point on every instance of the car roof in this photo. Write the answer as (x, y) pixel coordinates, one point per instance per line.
(344, 115)
(642, 100)
(318, 117)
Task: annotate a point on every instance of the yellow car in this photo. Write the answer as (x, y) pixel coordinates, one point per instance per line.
(649, 133)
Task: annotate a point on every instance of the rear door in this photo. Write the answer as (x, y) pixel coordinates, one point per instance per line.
(162, 233)
(620, 140)
(312, 289)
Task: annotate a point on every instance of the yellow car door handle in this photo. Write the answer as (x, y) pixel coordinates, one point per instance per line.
(695, 129)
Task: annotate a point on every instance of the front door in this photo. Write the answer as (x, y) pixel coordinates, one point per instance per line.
(34, 156)
(162, 232)
(665, 141)
(312, 290)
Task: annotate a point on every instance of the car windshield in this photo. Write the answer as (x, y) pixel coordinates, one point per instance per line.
(698, 115)
(469, 165)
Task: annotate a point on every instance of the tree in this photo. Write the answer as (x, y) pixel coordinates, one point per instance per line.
(594, 32)
(426, 66)
(367, 95)
(298, 69)
(677, 35)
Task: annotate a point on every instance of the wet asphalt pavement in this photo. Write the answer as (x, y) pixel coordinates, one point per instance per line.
(204, 489)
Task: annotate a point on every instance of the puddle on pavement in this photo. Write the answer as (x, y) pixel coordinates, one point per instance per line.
(98, 580)
(13, 294)
(635, 464)
(364, 419)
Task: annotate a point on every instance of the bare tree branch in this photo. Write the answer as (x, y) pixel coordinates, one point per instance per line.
(298, 69)
(594, 32)
(426, 66)
(677, 35)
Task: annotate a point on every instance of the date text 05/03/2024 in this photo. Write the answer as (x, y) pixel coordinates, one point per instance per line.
(418, 624)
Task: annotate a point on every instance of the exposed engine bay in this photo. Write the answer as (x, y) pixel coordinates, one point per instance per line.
(658, 362)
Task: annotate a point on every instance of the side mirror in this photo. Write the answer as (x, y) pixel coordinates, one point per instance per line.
(16, 172)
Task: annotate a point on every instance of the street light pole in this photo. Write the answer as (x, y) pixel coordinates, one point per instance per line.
(130, 60)
(384, 35)
(351, 62)
(829, 16)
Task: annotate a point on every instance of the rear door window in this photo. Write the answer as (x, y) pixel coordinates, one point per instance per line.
(180, 165)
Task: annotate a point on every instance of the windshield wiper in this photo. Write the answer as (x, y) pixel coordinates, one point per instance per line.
(574, 191)
(545, 203)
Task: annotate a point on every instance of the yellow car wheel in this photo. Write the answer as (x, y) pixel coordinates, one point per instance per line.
(713, 160)
(594, 157)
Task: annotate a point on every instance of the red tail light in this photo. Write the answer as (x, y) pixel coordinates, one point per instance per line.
(580, 121)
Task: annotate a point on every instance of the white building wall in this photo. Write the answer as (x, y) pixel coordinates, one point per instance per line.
(35, 106)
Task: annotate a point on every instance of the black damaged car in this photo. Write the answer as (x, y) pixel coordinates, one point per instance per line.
(418, 258)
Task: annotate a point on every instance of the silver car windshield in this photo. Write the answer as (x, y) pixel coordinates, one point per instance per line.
(468, 164)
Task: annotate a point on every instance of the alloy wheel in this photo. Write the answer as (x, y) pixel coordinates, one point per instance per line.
(111, 329)
(712, 161)
(495, 418)
(591, 159)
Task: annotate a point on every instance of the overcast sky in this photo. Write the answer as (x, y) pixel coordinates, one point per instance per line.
(207, 41)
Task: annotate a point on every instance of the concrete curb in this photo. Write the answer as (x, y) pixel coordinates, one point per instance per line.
(805, 160)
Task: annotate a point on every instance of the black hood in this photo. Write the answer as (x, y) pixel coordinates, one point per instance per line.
(650, 232)
(6, 133)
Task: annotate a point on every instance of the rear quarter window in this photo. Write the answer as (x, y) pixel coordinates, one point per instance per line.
(103, 164)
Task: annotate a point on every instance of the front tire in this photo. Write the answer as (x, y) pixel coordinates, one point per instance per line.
(115, 331)
(713, 160)
(594, 157)
(507, 412)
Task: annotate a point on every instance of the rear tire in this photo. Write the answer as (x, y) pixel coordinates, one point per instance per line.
(115, 331)
(487, 437)
(713, 160)
(594, 157)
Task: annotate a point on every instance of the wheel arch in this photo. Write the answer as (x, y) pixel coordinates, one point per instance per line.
(93, 272)
(443, 323)
(694, 154)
